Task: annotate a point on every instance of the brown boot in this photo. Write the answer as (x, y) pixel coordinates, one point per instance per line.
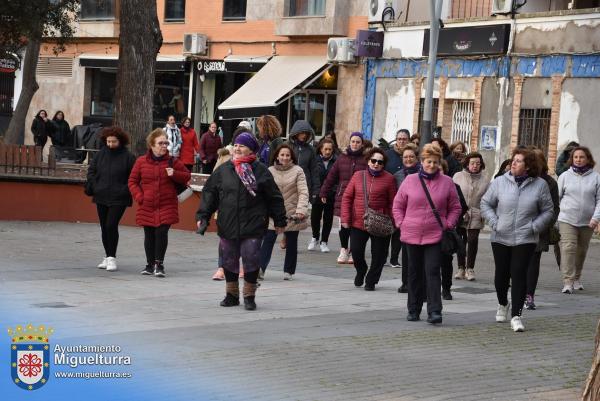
(249, 293)
(232, 297)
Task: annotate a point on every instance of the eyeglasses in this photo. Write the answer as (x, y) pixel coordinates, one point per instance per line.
(377, 161)
(162, 143)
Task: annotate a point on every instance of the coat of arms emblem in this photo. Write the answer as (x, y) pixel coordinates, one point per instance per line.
(30, 356)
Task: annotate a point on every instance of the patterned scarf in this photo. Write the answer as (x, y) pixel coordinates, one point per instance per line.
(244, 171)
(581, 170)
(428, 176)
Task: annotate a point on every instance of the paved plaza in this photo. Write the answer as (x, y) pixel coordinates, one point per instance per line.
(314, 338)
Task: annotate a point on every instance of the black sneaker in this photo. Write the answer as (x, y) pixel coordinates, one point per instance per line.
(159, 271)
(230, 300)
(369, 287)
(413, 317)
(403, 289)
(148, 270)
(446, 295)
(434, 318)
(249, 303)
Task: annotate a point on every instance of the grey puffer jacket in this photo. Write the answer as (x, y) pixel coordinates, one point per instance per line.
(307, 157)
(517, 214)
(579, 196)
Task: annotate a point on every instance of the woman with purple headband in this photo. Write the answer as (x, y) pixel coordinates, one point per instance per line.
(244, 193)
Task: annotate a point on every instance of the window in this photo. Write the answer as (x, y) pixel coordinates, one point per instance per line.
(234, 10)
(434, 113)
(462, 121)
(315, 106)
(97, 9)
(174, 10)
(7, 87)
(306, 7)
(534, 128)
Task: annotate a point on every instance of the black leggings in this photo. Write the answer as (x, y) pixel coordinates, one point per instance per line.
(471, 239)
(512, 262)
(395, 248)
(249, 277)
(156, 240)
(379, 248)
(424, 278)
(344, 237)
(109, 217)
(533, 273)
(321, 210)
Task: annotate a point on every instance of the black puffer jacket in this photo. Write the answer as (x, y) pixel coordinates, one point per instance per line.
(40, 128)
(323, 171)
(107, 177)
(241, 215)
(61, 134)
(307, 157)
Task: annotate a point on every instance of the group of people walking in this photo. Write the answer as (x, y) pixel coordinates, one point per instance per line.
(57, 129)
(411, 203)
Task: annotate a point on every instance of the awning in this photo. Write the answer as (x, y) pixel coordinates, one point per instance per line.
(163, 63)
(272, 85)
(238, 63)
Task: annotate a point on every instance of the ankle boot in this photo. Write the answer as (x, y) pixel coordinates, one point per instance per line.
(249, 294)
(232, 295)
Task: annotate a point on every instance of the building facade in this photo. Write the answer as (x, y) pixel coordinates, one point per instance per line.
(241, 37)
(501, 80)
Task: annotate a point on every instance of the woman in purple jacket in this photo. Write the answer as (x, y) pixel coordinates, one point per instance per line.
(421, 232)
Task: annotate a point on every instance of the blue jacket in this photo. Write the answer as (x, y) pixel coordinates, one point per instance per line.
(394, 162)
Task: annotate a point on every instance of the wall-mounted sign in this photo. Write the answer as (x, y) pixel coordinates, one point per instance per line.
(369, 44)
(208, 66)
(489, 135)
(8, 65)
(471, 40)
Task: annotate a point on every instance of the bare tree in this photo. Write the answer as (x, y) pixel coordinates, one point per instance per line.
(139, 42)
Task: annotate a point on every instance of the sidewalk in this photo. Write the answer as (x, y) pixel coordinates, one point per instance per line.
(314, 338)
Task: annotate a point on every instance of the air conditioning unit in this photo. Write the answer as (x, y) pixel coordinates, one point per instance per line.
(341, 50)
(194, 43)
(502, 7)
(377, 8)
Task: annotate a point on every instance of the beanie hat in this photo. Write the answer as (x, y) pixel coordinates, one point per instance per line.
(358, 134)
(248, 140)
(245, 124)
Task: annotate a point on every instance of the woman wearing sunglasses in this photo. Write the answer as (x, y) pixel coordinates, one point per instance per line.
(152, 185)
(380, 190)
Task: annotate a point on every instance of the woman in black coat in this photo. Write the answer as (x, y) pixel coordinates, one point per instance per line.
(41, 127)
(107, 178)
(61, 132)
(245, 194)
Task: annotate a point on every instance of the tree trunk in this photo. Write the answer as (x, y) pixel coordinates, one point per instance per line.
(139, 42)
(16, 129)
(591, 391)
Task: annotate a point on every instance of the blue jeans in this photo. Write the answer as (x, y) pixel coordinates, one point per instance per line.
(291, 250)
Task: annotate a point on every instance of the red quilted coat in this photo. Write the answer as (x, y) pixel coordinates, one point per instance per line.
(340, 174)
(154, 191)
(381, 190)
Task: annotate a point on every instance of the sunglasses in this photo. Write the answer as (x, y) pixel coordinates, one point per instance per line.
(162, 143)
(377, 161)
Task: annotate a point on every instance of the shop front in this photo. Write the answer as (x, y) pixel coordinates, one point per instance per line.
(8, 67)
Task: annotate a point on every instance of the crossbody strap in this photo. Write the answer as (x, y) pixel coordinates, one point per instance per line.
(433, 209)
(366, 197)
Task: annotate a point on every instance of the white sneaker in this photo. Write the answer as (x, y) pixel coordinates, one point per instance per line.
(325, 248)
(111, 264)
(577, 285)
(470, 275)
(502, 313)
(102, 264)
(313, 244)
(287, 276)
(567, 289)
(516, 324)
(343, 257)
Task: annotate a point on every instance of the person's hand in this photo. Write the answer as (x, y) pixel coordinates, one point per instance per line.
(169, 171)
(593, 224)
(204, 161)
(202, 226)
(300, 216)
(345, 225)
(324, 200)
(279, 230)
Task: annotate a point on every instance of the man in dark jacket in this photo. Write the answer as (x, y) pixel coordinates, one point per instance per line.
(301, 135)
(394, 154)
(561, 162)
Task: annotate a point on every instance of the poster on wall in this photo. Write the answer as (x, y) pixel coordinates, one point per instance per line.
(489, 134)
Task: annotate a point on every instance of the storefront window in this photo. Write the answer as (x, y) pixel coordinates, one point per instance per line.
(298, 108)
(97, 9)
(315, 106)
(316, 111)
(103, 92)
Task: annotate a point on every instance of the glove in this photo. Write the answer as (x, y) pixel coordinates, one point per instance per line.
(202, 227)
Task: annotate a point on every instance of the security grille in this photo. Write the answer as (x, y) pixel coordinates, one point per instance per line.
(434, 113)
(55, 67)
(7, 87)
(534, 128)
(462, 121)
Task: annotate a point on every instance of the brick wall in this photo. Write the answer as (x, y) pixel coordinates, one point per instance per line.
(514, 132)
(476, 115)
(557, 82)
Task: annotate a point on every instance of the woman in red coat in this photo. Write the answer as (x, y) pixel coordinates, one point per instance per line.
(152, 185)
(381, 189)
(190, 145)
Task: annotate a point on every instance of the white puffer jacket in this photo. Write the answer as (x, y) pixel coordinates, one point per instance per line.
(579, 196)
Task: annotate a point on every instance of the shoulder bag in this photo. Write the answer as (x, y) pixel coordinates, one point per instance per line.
(451, 241)
(376, 224)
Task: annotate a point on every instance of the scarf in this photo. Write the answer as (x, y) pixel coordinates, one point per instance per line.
(281, 167)
(426, 175)
(581, 170)
(412, 169)
(350, 152)
(244, 171)
(375, 173)
(520, 179)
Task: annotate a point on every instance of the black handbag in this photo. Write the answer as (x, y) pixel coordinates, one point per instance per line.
(376, 224)
(451, 241)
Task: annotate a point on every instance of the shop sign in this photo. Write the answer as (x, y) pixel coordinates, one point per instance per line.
(471, 40)
(8, 65)
(369, 44)
(208, 66)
